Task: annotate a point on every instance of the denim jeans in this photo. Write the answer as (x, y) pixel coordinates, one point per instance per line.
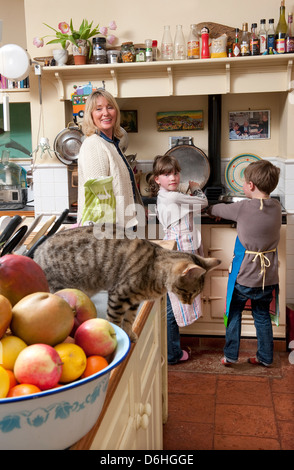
(174, 351)
(260, 302)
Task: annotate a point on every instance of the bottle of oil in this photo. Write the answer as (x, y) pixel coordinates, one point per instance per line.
(193, 51)
(254, 41)
(271, 34)
(281, 31)
(245, 40)
(262, 37)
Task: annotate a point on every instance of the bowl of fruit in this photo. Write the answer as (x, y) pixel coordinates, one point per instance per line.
(56, 357)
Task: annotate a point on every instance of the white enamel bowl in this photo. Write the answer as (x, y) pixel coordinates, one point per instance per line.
(56, 419)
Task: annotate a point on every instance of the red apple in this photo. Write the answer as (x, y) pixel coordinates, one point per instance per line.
(96, 336)
(81, 304)
(20, 276)
(38, 364)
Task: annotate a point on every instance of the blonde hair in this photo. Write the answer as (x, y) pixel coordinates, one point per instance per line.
(88, 126)
(263, 174)
(163, 164)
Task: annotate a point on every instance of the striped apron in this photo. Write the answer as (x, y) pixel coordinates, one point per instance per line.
(189, 241)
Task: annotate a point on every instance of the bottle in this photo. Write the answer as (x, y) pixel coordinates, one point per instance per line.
(154, 50)
(245, 40)
(290, 35)
(271, 35)
(281, 31)
(148, 53)
(254, 41)
(262, 37)
(179, 44)
(205, 43)
(193, 43)
(167, 48)
(236, 46)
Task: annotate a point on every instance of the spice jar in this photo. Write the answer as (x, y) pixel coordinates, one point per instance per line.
(127, 52)
(113, 56)
(141, 54)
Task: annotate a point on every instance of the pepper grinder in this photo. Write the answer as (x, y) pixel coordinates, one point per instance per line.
(205, 43)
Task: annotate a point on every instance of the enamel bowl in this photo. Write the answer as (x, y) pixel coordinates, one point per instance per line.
(55, 419)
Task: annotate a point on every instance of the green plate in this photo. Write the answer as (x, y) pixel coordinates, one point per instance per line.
(234, 173)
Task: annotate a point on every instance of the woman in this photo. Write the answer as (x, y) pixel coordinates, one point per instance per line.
(100, 157)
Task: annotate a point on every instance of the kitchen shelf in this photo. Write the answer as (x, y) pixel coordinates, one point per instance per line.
(16, 95)
(257, 74)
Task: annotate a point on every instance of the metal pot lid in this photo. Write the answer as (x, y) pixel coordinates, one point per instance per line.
(234, 172)
(67, 143)
(194, 163)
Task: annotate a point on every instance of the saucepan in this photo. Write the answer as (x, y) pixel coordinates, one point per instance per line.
(68, 142)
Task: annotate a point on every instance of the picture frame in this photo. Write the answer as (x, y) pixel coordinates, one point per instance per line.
(249, 125)
(129, 120)
(169, 121)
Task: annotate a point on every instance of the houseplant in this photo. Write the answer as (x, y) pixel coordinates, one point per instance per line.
(79, 39)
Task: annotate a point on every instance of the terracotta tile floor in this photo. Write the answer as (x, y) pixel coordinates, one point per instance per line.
(242, 407)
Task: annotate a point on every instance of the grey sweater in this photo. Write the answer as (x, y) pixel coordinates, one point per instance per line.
(258, 229)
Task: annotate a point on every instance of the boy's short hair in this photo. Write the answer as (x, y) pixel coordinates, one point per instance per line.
(263, 174)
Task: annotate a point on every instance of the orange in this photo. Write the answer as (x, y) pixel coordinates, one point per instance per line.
(4, 382)
(22, 389)
(73, 361)
(12, 378)
(94, 365)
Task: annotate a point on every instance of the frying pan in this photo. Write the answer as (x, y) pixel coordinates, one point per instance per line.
(68, 142)
(193, 162)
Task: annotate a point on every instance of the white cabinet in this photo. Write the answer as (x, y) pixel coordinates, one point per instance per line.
(136, 401)
(218, 242)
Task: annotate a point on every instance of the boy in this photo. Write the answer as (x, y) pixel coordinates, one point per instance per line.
(254, 273)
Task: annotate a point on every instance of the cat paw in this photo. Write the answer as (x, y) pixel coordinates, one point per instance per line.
(133, 336)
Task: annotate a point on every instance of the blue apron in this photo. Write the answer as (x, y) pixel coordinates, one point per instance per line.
(239, 252)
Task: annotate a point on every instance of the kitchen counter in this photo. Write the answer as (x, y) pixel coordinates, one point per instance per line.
(27, 211)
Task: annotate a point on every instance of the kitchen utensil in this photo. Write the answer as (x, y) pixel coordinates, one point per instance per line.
(20, 247)
(55, 227)
(68, 142)
(8, 231)
(234, 173)
(14, 240)
(193, 161)
(42, 231)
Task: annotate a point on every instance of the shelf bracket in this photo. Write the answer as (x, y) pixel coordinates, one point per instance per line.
(290, 84)
(170, 81)
(60, 86)
(115, 83)
(228, 78)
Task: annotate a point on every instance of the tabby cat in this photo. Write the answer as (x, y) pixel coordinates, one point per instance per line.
(130, 270)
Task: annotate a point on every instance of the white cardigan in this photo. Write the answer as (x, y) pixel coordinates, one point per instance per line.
(98, 158)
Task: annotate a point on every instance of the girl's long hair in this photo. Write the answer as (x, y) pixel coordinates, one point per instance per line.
(88, 126)
(163, 164)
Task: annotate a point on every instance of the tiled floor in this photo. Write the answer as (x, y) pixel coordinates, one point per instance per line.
(241, 407)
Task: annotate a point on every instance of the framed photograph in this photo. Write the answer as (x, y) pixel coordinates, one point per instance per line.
(249, 125)
(129, 120)
(180, 121)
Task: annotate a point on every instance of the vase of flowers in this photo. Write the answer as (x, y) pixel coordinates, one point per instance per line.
(80, 39)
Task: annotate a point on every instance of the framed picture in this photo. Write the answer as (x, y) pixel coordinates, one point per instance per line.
(129, 120)
(180, 121)
(249, 125)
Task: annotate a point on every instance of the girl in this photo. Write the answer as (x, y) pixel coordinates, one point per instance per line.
(175, 211)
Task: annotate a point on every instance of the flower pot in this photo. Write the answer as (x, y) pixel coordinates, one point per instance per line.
(60, 56)
(80, 52)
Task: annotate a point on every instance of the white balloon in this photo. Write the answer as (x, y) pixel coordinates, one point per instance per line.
(14, 62)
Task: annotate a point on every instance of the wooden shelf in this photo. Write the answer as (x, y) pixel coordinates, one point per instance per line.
(16, 95)
(271, 73)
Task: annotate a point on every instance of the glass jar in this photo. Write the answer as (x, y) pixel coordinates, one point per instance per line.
(140, 54)
(99, 51)
(113, 56)
(128, 52)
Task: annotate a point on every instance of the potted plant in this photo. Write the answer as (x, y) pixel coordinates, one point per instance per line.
(81, 45)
